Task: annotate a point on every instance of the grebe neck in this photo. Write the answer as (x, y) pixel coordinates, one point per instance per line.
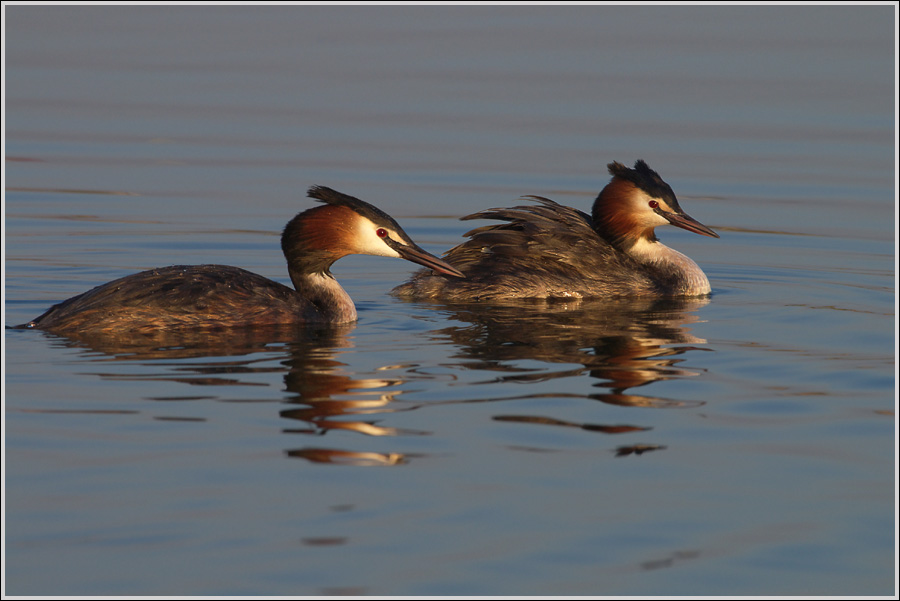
(311, 243)
(332, 303)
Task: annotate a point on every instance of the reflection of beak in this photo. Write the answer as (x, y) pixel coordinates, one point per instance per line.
(686, 222)
(417, 255)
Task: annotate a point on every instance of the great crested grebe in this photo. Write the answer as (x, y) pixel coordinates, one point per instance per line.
(219, 296)
(547, 250)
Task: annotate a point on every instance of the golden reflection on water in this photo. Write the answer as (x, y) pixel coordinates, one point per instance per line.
(618, 346)
(621, 344)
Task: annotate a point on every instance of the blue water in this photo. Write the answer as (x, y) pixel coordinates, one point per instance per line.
(740, 445)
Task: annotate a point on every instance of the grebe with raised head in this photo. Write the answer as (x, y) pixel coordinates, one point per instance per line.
(547, 250)
(220, 296)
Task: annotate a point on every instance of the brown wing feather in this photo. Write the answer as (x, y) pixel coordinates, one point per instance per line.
(544, 250)
(179, 296)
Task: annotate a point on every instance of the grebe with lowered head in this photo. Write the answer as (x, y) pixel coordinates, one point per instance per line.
(219, 296)
(547, 250)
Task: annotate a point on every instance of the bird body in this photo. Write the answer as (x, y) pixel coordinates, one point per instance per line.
(547, 250)
(220, 296)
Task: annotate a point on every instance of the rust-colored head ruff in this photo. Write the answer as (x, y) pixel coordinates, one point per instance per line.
(635, 202)
(344, 225)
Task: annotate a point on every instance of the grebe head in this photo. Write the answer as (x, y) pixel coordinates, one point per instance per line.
(636, 201)
(345, 225)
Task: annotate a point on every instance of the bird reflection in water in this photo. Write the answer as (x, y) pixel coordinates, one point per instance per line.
(328, 398)
(323, 396)
(620, 346)
(623, 344)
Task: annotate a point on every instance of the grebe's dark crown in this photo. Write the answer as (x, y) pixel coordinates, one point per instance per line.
(335, 198)
(646, 179)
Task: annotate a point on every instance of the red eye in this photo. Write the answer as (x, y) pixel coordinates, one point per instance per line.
(653, 204)
(381, 232)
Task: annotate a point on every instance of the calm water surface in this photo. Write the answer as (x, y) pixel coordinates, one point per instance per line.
(739, 445)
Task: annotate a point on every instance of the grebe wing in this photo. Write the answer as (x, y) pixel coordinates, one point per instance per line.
(546, 231)
(544, 250)
(176, 296)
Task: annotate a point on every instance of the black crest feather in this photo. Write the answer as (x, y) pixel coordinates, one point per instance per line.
(644, 178)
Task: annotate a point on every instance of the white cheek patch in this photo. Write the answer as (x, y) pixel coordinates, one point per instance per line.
(647, 217)
(658, 219)
(644, 215)
(368, 242)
